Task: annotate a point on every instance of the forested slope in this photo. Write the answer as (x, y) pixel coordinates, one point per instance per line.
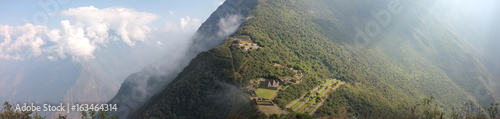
(415, 56)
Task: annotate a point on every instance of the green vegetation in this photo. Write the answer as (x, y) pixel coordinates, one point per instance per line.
(310, 109)
(265, 93)
(8, 112)
(314, 96)
(302, 108)
(97, 115)
(315, 37)
(241, 41)
(298, 103)
(337, 85)
(329, 86)
(322, 92)
(426, 109)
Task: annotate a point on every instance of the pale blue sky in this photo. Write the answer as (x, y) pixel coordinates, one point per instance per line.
(127, 20)
(13, 11)
(31, 57)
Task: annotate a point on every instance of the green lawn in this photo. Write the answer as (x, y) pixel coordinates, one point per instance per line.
(265, 93)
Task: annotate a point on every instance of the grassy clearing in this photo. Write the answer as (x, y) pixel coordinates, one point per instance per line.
(242, 41)
(265, 93)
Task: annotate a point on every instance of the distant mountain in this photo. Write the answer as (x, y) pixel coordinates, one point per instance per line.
(35, 80)
(390, 53)
(91, 87)
(41, 81)
(58, 82)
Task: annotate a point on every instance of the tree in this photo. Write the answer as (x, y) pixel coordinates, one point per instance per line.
(98, 115)
(8, 112)
(493, 110)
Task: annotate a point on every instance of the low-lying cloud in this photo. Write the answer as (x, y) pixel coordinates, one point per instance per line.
(85, 30)
(229, 24)
(112, 41)
(140, 86)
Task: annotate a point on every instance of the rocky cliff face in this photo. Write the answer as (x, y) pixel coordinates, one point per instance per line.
(140, 86)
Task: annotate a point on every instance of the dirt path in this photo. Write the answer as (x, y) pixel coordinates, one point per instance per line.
(244, 63)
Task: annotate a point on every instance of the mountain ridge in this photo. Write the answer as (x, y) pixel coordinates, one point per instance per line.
(404, 65)
(154, 77)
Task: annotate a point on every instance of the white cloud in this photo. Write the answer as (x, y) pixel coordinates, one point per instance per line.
(35, 46)
(129, 24)
(86, 29)
(16, 38)
(75, 43)
(229, 24)
(190, 24)
(172, 13)
(222, 2)
(52, 58)
(11, 57)
(184, 22)
(187, 25)
(54, 35)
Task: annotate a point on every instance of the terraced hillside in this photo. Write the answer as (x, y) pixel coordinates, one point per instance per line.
(415, 56)
(311, 101)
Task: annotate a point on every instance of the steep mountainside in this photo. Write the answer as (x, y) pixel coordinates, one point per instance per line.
(388, 63)
(91, 87)
(140, 86)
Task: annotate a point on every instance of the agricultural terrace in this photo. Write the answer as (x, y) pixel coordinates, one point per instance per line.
(309, 102)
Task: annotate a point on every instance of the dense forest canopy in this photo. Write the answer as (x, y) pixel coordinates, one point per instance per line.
(391, 54)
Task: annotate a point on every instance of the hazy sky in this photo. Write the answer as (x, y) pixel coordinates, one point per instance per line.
(60, 29)
(13, 11)
(47, 42)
